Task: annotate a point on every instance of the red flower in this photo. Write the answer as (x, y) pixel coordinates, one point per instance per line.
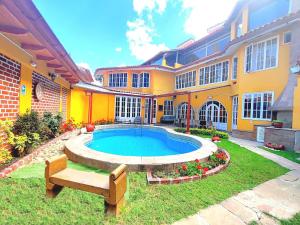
(176, 171)
(197, 160)
(184, 167)
(205, 169)
(199, 167)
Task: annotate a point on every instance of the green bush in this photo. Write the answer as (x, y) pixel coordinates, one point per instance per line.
(207, 132)
(52, 122)
(27, 124)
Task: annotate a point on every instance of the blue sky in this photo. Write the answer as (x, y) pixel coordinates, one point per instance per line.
(100, 33)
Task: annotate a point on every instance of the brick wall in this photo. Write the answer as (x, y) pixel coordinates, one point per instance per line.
(65, 93)
(9, 87)
(51, 98)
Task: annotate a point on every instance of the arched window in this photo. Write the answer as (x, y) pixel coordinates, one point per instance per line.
(215, 112)
(181, 111)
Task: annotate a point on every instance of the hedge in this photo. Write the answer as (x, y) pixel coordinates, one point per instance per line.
(208, 132)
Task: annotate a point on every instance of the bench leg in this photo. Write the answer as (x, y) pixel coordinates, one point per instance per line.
(53, 190)
(113, 210)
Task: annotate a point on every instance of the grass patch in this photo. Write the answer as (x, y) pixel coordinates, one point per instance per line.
(290, 155)
(23, 200)
(294, 221)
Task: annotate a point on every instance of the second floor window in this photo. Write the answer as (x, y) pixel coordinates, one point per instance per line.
(261, 55)
(186, 80)
(234, 68)
(214, 74)
(118, 80)
(168, 108)
(141, 80)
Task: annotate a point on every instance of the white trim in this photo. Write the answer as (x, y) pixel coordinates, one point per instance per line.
(139, 79)
(252, 99)
(265, 49)
(185, 74)
(232, 67)
(209, 77)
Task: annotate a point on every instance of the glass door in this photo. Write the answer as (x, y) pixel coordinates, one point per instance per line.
(234, 112)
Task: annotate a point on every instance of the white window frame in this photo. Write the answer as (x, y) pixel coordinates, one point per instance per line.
(252, 100)
(210, 73)
(277, 37)
(168, 108)
(183, 80)
(121, 76)
(141, 78)
(233, 68)
(283, 38)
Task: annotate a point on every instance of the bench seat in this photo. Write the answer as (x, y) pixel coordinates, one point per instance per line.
(85, 181)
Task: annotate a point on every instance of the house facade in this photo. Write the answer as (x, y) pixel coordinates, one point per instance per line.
(238, 76)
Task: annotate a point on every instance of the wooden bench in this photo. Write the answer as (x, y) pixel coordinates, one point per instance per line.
(112, 187)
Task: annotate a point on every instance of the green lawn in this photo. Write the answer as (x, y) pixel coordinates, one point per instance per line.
(293, 156)
(294, 221)
(23, 200)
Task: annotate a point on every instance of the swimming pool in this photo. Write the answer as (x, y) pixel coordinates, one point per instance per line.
(140, 148)
(140, 142)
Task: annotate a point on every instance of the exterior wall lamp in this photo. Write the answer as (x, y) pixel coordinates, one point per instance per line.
(52, 76)
(33, 64)
(296, 69)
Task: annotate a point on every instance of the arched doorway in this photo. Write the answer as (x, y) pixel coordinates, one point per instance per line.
(215, 112)
(181, 113)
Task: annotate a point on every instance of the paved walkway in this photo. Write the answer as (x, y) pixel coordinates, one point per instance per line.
(279, 198)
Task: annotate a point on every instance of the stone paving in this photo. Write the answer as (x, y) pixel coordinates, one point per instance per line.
(53, 148)
(266, 204)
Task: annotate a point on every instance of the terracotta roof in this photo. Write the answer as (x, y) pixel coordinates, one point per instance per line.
(22, 22)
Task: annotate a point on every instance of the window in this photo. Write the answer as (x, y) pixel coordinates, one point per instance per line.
(118, 80)
(214, 74)
(234, 68)
(257, 106)
(100, 78)
(287, 37)
(261, 55)
(239, 27)
(141, 80)
(186, 80)
(127, 107)
(168, 108)
(182, 110)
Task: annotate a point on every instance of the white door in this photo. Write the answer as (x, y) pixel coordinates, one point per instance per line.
(147, 113)
(234, 112)
(154, 105)
(217, 115)
(127, 108)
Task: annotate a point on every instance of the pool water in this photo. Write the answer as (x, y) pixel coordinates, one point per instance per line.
(140, 142)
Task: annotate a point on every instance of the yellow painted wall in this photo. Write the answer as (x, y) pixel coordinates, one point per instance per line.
(79, 106)
(103, 107)
(26, 80)
(261, 81)
(296, 112)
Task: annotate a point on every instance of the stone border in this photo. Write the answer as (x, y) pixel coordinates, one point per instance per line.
(218, 169)
(28, 158)
(77, 151)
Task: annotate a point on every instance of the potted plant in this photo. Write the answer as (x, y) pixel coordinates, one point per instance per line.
(90, 127)
(277, 123)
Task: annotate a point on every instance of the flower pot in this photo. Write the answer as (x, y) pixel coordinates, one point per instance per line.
(277, 124)
(215, 138)
(90, 128)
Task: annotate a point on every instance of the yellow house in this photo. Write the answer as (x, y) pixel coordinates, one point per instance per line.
(238, 78)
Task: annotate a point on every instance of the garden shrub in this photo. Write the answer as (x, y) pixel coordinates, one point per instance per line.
(207, 132)
(52, 122)
(5, 156)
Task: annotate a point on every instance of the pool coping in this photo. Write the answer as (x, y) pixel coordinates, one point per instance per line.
(76, 151)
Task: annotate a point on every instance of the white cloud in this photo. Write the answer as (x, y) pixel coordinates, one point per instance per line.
(122, 65)
(203, 14)
(118, 49)
(140, 38)
(84, 65)
(149, 5)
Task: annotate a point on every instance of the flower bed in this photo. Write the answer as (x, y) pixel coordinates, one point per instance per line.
(275, 146)
(192, 170)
